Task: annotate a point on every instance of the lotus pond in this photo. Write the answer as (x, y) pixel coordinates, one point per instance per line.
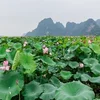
(50, 68)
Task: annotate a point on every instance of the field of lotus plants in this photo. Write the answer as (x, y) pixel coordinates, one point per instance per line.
(50, 68)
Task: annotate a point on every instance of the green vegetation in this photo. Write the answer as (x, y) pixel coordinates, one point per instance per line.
(50, 68)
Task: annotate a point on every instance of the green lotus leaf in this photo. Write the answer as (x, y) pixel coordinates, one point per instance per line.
(47, 60)
(10, 44)
(73, 48)
(86, 49)
(82, 56)
(77, 75)
(95, 79)
(32, 90)
(16, 60)
(68, 43)
(26, 60)
(66, 74)
(55, 81)
(28, 50)
(69, 56)
(0, 41)
(82, 76)
(90, 61)
(85, 77)
(42, 69)
(74, 91)
(38, 46)
(48, 92)
(96, 69)
(73, 64)
(11, 83)
(17, 46)
(53, 69)
(61, 64)
(10, 56)
(95, 48)
(2, 52)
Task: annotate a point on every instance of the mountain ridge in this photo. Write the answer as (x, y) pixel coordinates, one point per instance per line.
(48, 27)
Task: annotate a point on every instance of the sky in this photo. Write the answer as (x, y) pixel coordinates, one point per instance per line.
(21, 16)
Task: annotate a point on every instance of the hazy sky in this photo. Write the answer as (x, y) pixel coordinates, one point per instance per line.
(20, 16)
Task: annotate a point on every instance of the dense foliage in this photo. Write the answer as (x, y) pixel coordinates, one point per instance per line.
(50, 68)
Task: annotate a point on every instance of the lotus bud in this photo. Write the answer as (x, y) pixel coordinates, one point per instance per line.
(89, 41)
(57, 43)
(7, 50)
(50, 54)
(81, 65)
(25, 43)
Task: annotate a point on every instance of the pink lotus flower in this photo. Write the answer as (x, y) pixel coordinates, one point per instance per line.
(2, 68)
(5, 66)
(5, 63)
(81, 65)
(45, 50)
